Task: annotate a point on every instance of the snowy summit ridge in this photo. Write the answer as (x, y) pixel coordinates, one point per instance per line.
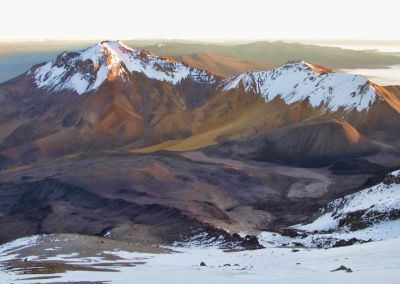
(298, 81)
(85, 70)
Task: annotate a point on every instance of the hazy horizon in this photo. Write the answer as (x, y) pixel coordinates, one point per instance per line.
(211, 41)
(210, 20)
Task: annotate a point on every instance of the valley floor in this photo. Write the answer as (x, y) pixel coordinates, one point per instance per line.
(374, 262)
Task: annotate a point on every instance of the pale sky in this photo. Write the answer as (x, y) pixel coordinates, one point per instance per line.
(201, 19)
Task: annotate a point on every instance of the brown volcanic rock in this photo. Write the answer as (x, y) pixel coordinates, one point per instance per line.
(315, 143)
(55, 115)
(141, 111)
(238, 114)
(50, 206)
(221, 65)
(319, 138)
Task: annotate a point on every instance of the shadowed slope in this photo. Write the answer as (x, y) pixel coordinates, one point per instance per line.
(314, 143)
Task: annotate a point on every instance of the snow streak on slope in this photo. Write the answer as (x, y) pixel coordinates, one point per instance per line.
(378, 232)
(370, 206)
(371, 214)
(85, 70)
(298, 81)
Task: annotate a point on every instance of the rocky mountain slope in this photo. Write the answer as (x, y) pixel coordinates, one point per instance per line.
(371, 206)
(105, 96)
(371, 214)
(311, 144)
(112, 125)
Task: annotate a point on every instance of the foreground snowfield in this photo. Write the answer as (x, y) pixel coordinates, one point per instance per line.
(374, 262)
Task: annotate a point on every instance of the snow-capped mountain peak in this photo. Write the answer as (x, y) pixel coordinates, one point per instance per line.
(298, 81)
(85, 70)
(81, 71)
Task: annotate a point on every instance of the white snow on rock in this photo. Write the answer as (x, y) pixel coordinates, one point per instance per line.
(295, 82)
(380, 199)
(374, 212)
(374, 216)
(378, 232)
(85, 70)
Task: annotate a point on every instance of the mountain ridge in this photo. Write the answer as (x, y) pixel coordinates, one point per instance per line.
(142, 100)
(307, 77)
(107, 60)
